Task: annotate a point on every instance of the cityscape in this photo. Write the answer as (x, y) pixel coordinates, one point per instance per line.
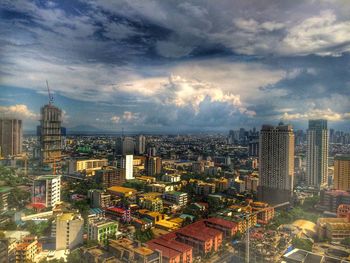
(174, 131)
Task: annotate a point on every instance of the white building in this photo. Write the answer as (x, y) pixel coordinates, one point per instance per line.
(317, 153)
(47, 190)
(68, 230)
(172, 178)
(178, 198)
(127, 163)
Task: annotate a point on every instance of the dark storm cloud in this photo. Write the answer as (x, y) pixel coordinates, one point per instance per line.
(162, 64)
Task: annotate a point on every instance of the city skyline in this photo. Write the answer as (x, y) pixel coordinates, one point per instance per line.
(177, 66)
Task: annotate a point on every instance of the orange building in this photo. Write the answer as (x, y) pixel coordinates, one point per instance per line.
(343, 211)
(266, 213)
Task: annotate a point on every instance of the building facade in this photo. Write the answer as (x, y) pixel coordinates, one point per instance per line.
(49, 132)
(317, 153)
(10, 137)
(276, 163)
(342, 172)
(68, 230)
(47, 190)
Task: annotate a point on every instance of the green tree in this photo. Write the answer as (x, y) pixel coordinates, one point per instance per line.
(75, 257)
(301, 243)
(346, 241)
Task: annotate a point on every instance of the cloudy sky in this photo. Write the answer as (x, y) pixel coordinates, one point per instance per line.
(159, 65)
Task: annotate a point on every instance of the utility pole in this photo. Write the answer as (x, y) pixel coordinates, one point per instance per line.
(247, 254)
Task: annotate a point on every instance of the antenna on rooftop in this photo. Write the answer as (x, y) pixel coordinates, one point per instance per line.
(49, 93)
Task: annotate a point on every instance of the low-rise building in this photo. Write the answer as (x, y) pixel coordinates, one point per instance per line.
(172, 178)
(110, 176)
(334, 229)
(27, 250)
(4, 194)
(130, 251)
(122, 191)
(86, 166)
(178, 198)
(101, 229)
(99, 198)
(266, 213)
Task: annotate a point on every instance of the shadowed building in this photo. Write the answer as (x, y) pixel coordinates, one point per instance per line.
(10, 137)
(276, 164)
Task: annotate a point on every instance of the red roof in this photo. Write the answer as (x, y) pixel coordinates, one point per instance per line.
(116, 209)
(166, 252)
(221, 222)
(38, 206)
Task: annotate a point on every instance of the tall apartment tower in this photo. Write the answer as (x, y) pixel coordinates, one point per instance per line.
(49, 132)
(317, 153)
(10, 137)
(342, 172)
(127, 163)
(140, 144)
(153, 166)
(276, 164)
(125, 145)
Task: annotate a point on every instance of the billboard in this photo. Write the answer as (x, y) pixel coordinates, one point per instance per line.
(39, 192)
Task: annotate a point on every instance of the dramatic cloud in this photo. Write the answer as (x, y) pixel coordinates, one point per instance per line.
(160, 65)
(20, 111)
(317, 114)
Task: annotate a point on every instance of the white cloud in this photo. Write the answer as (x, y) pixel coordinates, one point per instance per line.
(317, 114)
(19, 111)
(321, 34)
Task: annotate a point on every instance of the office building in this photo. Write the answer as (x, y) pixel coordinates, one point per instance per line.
(10, 137)
(140, 144)
(47, 190)
(110, 176)
(317, 153)
(49, 133)
(125, 145)
(101, 229)
(68, 229)
(276, 164)
(127, 163)
(342, 172)
(153, 166)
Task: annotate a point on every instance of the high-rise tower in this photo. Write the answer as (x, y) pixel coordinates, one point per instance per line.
(276, 165)
(50, 135)
(317, 153)
(140, 144)
(10, 137)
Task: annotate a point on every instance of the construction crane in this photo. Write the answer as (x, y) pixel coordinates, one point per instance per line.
(247, 255)
(49, 93)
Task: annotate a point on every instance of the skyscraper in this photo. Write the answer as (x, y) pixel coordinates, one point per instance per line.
(342, 172)
(10, 137)
(153, 166)
(317, 153)
(127, 163)
(276, 165)
(125, 145)
(140, 144)
(50, 135)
